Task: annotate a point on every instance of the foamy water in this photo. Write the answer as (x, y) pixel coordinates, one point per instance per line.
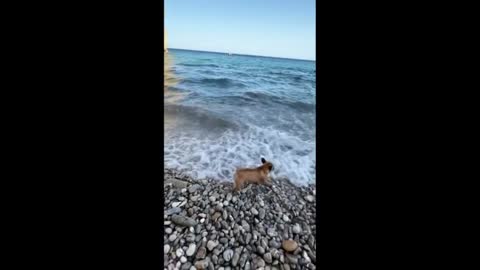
(223, 112)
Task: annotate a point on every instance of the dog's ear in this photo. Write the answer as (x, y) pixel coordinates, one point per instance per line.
(263, 160)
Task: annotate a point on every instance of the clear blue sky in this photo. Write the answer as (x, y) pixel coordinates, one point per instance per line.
(279, 28)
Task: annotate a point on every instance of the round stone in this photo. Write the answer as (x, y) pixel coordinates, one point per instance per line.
(309, 198)
(186, 266)
(267, 257)
(259, 262)
(190, 238)
(203, 264)
(227, 255)
(211, 245)
(191, 249)
(297, 229)
(223, 240)
(201, 252)
(261, 213)
(289, 245)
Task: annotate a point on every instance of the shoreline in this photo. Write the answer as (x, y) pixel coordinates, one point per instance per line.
(208, 227)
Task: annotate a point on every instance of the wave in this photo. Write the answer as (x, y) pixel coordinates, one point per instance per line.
(265, 98)
(295, 77)
(196, 118)
(174, 88)
(197, 65)
(217, 82)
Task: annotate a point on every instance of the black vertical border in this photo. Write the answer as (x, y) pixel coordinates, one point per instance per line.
(318, 177)
(161, 227)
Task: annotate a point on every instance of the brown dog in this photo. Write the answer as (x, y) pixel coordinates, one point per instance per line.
(257, 175)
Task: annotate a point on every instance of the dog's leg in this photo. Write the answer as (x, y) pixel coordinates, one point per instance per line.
(265, 181)
(270, 180)
(236, 184)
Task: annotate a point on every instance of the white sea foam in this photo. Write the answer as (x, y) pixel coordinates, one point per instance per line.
(218, 157)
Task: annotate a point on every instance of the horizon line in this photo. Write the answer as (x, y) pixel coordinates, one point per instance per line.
(244, 54)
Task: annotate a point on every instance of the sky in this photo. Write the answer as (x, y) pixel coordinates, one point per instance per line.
(278, 28)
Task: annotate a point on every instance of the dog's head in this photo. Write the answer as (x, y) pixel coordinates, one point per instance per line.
(267, 164)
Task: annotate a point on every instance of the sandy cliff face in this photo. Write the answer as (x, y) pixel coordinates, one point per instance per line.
(165, 40)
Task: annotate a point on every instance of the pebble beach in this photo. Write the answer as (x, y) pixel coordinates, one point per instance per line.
(207, 226)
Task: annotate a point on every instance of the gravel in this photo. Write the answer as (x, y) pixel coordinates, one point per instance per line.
(209, 227)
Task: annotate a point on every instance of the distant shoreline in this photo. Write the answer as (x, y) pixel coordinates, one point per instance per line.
(248, 55)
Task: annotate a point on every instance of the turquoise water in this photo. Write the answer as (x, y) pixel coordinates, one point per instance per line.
(226, 111)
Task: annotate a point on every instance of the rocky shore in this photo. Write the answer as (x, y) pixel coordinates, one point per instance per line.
(208, 227)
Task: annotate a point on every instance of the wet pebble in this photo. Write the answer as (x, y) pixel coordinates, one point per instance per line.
(194, 188)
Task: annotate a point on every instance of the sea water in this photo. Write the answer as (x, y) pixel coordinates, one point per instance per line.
(226, 111)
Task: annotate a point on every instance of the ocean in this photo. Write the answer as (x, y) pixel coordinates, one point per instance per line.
(227, 111)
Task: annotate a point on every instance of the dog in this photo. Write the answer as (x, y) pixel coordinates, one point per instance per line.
(259, 175)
